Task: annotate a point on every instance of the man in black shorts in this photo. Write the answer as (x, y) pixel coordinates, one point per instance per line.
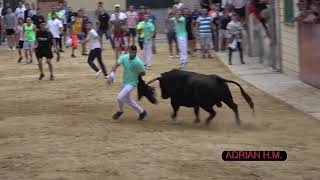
(44, 41)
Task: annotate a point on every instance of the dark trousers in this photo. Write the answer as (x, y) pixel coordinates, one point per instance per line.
(58, 43)
(96, 53)
(140, 41)
(239, 46)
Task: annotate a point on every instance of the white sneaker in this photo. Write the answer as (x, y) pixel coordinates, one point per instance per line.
(177, 56)
(13, 49)
(171, 56)
(98, 73)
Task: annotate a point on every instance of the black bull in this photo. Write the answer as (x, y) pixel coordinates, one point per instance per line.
(195, 90)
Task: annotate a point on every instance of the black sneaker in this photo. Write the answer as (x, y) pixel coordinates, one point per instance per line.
(51, 78)
(60, 50)
(41, 76)
(142, 115)
(117, 115)
(73, 56)
(85, 54)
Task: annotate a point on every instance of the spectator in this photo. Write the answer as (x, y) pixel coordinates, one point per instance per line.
(132, 25)
(189, 27)
(99, 9)
(205, 33)
(171, 32)
(235, 30)
(33, 10)
(20, 37)
(5, 9)
(27, 11)
(19, 12)
(205, 4)
(152, 19)
(224, 33)
(181, 32)
(63, 19)
(122, 17)
(142, 12)
(118, 28)
(37, 19)
(103, 25)
(240, 8)
(78, 28)
(10, 22)
(56, 27)
(29, 31)
(148, 29)
(178, 5)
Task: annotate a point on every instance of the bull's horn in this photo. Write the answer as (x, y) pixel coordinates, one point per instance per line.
(155, 79)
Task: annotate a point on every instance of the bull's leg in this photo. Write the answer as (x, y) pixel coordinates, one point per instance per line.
(175, 108)
(230, 103)
(212, 113)
(196, 112)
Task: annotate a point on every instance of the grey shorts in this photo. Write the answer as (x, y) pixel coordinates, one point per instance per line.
(205, 39)
(28, 45)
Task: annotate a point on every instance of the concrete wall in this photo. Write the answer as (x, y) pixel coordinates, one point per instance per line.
(289, 45)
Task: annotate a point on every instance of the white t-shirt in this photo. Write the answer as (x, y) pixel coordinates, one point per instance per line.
(235, 29)
(19, 12)
(20, 32)
(93, 38)
(238, 3)
(122, 16)
(54, 27)
(132, 19)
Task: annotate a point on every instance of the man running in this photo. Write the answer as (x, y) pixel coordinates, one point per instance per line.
(29, 30)
(95, 52)
(10, 22)
(118, 28)
(43, 45)
(55, 27)
(133, 68)
(20, 37)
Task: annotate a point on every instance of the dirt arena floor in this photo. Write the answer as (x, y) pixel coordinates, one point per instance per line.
(63, 129)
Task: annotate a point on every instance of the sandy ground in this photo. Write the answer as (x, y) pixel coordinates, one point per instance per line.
(63, 129)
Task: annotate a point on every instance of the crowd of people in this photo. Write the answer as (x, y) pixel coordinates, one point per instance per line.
(215, 25)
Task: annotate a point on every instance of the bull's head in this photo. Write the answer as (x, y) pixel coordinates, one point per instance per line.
(167, 83)
(165, 86)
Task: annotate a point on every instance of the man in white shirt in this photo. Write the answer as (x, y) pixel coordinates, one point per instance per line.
(19, 12)
(132, 18)
(55, 27)
(95, 50)
(122, 16)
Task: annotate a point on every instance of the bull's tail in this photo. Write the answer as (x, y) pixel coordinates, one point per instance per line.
(243, 93)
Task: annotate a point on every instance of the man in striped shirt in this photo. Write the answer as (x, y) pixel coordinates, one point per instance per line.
(205, 26)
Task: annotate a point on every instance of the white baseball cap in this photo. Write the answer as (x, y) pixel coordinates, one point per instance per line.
(117, 5)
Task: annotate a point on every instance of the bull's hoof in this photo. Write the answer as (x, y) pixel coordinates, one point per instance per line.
(197, 121)
(173, 117)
